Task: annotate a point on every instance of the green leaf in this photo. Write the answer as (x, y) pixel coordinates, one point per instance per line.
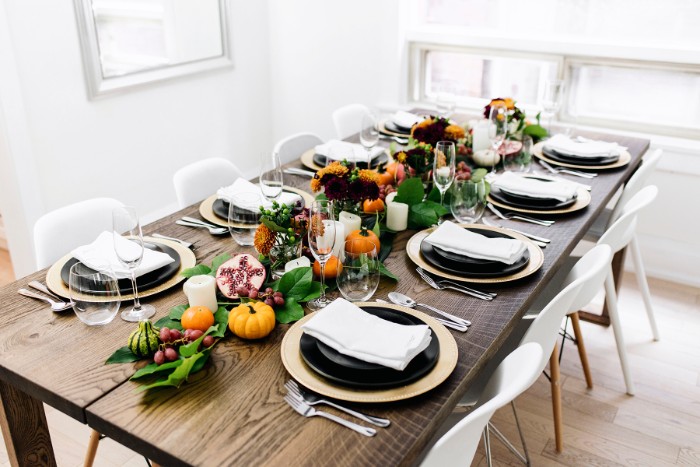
(178, 376)
(290, 311)
(166, 322)
(272, 225)
(221, 319)
(376, 229)
(439, 209)
(153, 367)
(314, 292)
(191, 348)
(218, 261)
(198, 270)
(177, 311)
(295, 283)
(434, 196)
(536, 131)
(385, 272)
(425, 214)
(122, 355)
(386, 241)
(321, 197)
(478, 174)
(410, 192)
(199, 364)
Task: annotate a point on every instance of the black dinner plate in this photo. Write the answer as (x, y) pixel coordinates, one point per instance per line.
(220, 207)
(394, 128)
(144, 282)
(527, 202)
(571, 159)
(377, 161)
(467, 267)
(349, 371)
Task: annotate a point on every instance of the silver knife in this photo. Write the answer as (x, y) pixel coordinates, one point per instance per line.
(302, 172)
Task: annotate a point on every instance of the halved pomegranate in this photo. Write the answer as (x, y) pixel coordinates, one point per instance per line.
(241, 271)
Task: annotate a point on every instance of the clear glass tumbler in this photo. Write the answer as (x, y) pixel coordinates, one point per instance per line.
(244, 217)
(95, 294)
(359, 277)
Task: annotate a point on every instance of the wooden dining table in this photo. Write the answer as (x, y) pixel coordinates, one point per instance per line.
(232, 412)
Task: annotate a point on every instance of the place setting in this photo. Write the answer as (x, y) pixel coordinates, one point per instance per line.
(320, 156)
(399, 124)
(580, 153)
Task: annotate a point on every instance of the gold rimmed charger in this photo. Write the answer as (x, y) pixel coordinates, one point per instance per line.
(187, 260)
(206, 209)
(381, 126)
(300, 371)
(535, 263)
(583, 199)
(624, 159)
(307, 159)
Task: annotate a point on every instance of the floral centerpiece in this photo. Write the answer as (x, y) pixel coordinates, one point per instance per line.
(280, 235)
(346, 187)
(518, 124)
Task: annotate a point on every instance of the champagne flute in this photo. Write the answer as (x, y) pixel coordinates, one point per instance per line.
(444, 166)
(321, 241)
(498, 127)
(271, 179)
(128, 246)
(551, 100)
(369, 135)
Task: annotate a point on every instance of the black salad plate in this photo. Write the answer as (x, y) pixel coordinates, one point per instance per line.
(349, 371)
(220, 208)
(145, 282)
(571, 159)
(528, 202)
(470, 267)
(394, 128)
(377, 161)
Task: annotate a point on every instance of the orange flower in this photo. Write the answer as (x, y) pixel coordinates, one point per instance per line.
(368, 175)
(335, 168)
(454, 132)
(401, 157)
(264, 239)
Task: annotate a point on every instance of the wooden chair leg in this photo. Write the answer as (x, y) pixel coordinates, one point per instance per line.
(92, 448)
(576, 325)
(556, 397)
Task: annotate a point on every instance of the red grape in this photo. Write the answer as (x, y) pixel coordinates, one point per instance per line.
(253, 293)
(269, 290)
(208, 341)
(159, 357)
(279, 301)
(165, 334)
(170, 354)
(269, 302)
(195, 334)
(175, 334)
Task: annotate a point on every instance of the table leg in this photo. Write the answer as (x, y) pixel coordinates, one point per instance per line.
(24, 428)
(603, 319)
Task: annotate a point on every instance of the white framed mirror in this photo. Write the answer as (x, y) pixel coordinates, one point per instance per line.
(128, 43)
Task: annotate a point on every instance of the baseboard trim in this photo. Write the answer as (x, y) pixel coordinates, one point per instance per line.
(668, 260)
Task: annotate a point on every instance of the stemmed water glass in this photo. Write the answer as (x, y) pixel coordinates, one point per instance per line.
(551, 101)
(498, 127)
(369, 135)
(271, 180)
(128, 246)
(444, 167)
(321, 242)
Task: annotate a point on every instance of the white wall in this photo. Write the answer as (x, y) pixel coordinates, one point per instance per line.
(125, 146)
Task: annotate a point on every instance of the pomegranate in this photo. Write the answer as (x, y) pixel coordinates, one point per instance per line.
(241, 271)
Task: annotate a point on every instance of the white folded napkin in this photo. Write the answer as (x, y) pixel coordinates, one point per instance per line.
(559, 189)
(101, 252)
(339, 150)
(242, 185)
(354, 332)
(405, 119)
(583, 148)
(455, 239)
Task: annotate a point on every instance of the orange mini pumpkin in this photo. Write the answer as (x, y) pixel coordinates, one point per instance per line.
(373, 207)
(367, 238)
(252, 320)
(332, 270)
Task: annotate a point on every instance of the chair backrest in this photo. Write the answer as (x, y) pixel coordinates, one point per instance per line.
(620, 233)
(593, 267)
(58, 232)
(636, 182)
(196, 181)
(290, 148)
(348, 119)
(514, 375)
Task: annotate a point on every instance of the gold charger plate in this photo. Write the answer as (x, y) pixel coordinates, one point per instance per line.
(583, 199)
(535, 263)
(624, 159)
(300, 371)
(381, 126)
(307, 159)
(206, 209)
(187, 260)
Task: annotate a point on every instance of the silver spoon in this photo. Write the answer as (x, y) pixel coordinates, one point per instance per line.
(445, 322)
(212, 230)
(405, 300)
(56, 306)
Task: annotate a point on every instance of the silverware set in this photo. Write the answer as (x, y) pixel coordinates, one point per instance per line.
(541, 242)
(57, 303)
(447, 284)
(398, 139)
(200, 224)
(564, 170)
(173, 239)
(454, 322)
(519, 217)
(301, 172)
(302, 401)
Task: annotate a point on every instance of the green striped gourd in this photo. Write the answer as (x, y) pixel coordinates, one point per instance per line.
(143, 342)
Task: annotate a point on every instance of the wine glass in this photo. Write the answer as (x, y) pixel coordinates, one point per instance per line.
(271, 179)
(94, 293)
(359, 278)
(468, 200)
(369, 135)
(244, 217)
(498, 127)
(444, 167)
(128, 246)
(551, 101)
(321, 241)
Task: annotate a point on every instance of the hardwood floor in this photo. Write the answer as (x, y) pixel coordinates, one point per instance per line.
(658, 426)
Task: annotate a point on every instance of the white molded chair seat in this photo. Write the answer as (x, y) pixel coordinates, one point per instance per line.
(58, 232)
(197, 181)
(292, 147)
(348, 119)
(514, 375)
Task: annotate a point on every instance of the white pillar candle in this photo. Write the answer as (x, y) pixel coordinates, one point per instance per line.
(390, 197)
(326, 242)
(481, 136)
(201, 291)
(350, 221)
(397, 216)
(338, 246)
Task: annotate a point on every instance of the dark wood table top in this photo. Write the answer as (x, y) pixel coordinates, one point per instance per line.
(232, 412)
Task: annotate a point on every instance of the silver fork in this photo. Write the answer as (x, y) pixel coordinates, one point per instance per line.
(173, 239)
(304, 409)
(539, 241)
(520, 217)
(445, 284)
(212, 230)
(564, 170)
(314, 399)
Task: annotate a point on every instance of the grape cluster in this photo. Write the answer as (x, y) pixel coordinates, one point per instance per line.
(269, 296)
(463, 171)
(385, 190)
(173, 338)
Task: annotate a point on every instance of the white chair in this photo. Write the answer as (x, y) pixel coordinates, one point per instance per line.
(196, 181)
(58, 232)
(348, 119)
(292, 147)
(514, 375)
